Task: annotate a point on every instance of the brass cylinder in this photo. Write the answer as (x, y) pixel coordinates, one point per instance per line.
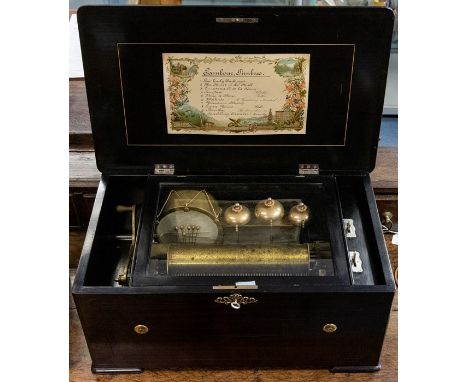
(237, 259)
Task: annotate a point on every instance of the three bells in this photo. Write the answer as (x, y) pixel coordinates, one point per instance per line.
(268, 211)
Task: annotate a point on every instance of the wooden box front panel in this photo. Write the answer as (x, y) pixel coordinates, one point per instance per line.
(191, 330)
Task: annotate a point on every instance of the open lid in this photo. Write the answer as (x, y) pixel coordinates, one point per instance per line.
(235, 90)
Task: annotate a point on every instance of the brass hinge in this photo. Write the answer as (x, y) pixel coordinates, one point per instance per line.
(164, 169)
(309, 169)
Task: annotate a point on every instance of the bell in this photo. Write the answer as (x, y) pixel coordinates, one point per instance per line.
(269, 210)
(299, 214)
(237, 215)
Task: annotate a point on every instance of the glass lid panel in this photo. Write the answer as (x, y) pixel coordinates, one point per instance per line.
(203, 232)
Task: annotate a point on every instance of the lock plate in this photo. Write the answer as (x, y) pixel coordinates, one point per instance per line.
(236, 300)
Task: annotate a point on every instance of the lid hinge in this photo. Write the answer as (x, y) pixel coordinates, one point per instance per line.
(309, 169)
(164, 169)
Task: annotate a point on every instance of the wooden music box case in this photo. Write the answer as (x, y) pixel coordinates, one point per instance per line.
(235, 224)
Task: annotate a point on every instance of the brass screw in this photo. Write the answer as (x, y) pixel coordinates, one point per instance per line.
(141, 329)
(329, 328)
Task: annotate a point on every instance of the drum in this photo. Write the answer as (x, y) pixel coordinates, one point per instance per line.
(189, 217)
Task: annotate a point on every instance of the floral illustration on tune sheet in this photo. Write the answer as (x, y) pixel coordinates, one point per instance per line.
(222, 94)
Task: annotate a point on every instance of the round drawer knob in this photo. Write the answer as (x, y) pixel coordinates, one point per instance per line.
(141, 329)
(329, 328)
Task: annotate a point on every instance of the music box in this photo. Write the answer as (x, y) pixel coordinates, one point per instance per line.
(235, 224)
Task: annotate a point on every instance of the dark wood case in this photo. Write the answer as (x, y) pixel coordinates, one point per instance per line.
(339, 324)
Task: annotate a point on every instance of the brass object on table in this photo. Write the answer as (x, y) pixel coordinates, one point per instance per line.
(329, 328)
(141, 329)
(189, 216)
(387, 219)
(269, 210)
(188, 260)
(237, 215)
(299, 214)
(235, 300)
